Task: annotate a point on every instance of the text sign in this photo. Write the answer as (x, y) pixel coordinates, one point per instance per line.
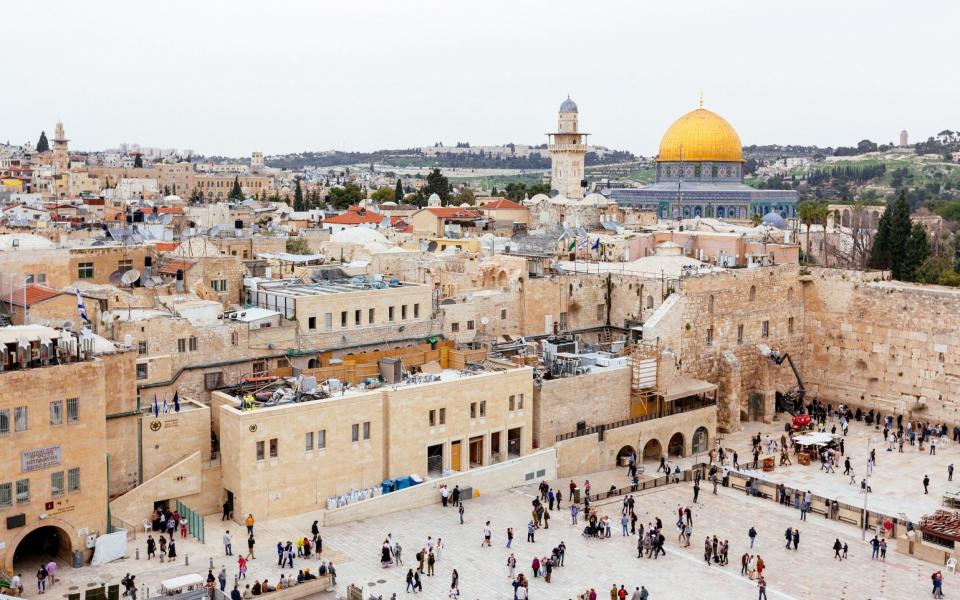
(39, 458)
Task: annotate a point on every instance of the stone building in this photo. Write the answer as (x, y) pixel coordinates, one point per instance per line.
(568, 150)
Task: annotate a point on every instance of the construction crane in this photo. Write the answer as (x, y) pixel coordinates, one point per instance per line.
(792, 401)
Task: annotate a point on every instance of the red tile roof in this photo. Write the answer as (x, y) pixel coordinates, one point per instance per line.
(453, 212)
(170, 267)
(167, 246)
(502, 204)
(36, 293)
(170, 210)
(355, 218)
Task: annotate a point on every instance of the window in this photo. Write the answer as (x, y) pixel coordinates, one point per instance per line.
(321, 439)
(41, 277)
(739, 334)
(56, 412)
(432, 418)
(343, 318)
(473, 410)
(366, 430)
(328, 321)
(790, 325)
(141, 348)
(23, 491)
(520, 403)
(234, 338)
(124, 265)
(20, 418)
(443, 416)
(260, 367)
(308, 441)
(56, 483)
(390, 314)
(355, 432)
(513, 403)
(274, 447)
(753, 293)
(356, 317)
(85, 271)
(483, 408)
(790, 294)
(416, 311)
(142, 372)
(218, 285)
(193, 343)
(601, 311)
(6, 494)
(709, 336)
(312, 323)
(503, 313)
(182, 345)
(649, 301)
(260, 447)
(765, 329)
(710, 304)
(4, 421)
(455, 327)
(470, 325)
(73, 480)
(371, 316)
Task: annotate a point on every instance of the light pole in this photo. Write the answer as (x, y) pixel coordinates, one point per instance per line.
(866, 492)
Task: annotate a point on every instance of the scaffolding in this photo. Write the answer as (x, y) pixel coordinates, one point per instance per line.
(644, 377)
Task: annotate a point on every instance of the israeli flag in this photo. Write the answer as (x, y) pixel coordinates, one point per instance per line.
(82, 309)
(166, 408)
(583, 244)
(156, 407)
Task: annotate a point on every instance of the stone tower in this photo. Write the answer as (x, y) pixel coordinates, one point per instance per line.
(568, 149)
(61, 157)
(256, 162)
(904, 139)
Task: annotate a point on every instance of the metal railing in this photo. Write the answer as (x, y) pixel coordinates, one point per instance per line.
(676, 409)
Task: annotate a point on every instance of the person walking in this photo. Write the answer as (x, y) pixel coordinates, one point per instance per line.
(950, 472)
(151, 547)
(574, 511)
(222, 578)
(487, 534)
(227, 543)
(752, 534)
(788, 535)
(530, 531)
(762, 586)
(509, 536)
(926, 484)
(250, 544)
(249, 524)
(875, 545)
(431, 561)
(460, 511)
(796, 539)
(836, 549)
(511, 565)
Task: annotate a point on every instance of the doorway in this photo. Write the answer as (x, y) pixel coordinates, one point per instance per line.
(676, 445)
(40, 546)
(513, 442)
(495, 447)
(652, 450)
(435, 460)
(455, 455)
(476, 452)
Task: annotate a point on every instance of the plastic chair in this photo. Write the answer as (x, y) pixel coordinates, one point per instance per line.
(952, 565)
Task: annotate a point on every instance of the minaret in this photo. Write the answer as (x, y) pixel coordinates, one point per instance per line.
(904, 139)
(61, 157)
(568, 149)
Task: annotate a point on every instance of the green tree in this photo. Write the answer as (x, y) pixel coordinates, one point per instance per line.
(137, 161)
(236, 193)
(438, 184)
(880, 253)
(298, 203)
(343, 197)
(899, 235)
(916, 252)
(465, 196)
(42, 144)
(756, 219)
(384, 194)
(811, 213)
(298, 245)
(398, 192)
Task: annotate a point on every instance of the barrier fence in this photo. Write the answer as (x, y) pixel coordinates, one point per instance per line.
(194, 520)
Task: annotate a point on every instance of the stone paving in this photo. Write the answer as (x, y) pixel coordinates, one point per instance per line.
(810, 572)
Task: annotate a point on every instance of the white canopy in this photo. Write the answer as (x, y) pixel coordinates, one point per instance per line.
(177, 584)
(816, 438)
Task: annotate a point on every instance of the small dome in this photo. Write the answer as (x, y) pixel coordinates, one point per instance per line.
(358, 235)
(568, 106)
(774, 220)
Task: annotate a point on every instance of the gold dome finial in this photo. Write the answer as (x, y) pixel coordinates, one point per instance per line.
(701, 98)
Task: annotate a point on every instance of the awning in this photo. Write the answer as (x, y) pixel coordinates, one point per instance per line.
(179, 583)
(816, 438)
(687, 386)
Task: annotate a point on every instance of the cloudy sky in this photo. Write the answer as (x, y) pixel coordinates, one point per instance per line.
(277, 76)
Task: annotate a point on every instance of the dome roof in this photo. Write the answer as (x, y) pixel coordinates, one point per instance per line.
(773, 219)
(701, 135)
(358, 235)
(24, 241)
(568, 106)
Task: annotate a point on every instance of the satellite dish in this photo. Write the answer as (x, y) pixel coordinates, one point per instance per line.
(67, 325)
(484, 320)
(116, 278)
(214, 231)
(166, 219)
(130, 277)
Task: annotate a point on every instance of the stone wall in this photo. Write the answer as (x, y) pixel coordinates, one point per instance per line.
(596, 398)
(883, 344)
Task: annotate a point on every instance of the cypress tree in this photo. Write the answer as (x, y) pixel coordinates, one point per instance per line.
(899, 235)
(42, 144)
(137, 161)
(398, 193)
(916, 252)
(298, 204)
(880, 253)
(236, 193)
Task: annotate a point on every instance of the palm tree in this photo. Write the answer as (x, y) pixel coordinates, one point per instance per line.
(812, 213)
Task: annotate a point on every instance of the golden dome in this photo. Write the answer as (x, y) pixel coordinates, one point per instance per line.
(701, 135)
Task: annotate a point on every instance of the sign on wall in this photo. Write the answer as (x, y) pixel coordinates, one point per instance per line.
(40, 458)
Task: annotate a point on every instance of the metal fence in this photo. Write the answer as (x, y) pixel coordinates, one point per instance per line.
(676, 409)
(194, 520)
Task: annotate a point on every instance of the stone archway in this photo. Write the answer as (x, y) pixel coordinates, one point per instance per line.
(624, 455)
(64, 540)
(652, 450)
(701, 439)
(676, 446)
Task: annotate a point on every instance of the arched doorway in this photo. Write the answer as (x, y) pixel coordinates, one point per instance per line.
(700, 440)
(624, 456)
(675, 446)
(652, 450)
(39, 546)
(313, 363)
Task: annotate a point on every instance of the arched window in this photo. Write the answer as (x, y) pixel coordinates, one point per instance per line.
(753, 293)
(700, 439)
(649, 301)
(313, 363)
(710, 304)
(790, 294)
